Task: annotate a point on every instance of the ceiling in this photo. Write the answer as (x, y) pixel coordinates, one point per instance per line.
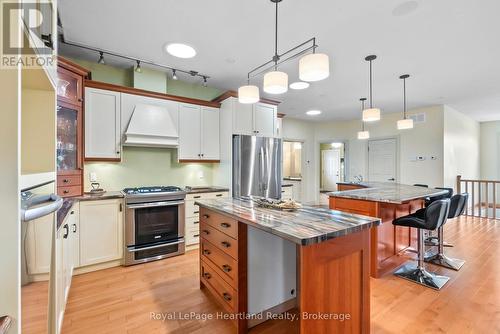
(449, 47)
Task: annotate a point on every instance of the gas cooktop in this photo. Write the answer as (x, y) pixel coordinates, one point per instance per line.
(151, 190)
(153, 194)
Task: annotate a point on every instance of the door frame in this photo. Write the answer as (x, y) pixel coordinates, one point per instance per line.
(398, 154)
(303, 162)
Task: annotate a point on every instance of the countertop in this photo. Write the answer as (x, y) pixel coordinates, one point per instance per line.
(199, 190)
(306, 226)
(387, 192)
(287, 185)
(292, 178)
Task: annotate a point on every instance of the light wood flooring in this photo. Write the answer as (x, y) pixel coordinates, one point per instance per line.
(121, 299)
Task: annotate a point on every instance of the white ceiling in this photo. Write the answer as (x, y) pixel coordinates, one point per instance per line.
(450, 47)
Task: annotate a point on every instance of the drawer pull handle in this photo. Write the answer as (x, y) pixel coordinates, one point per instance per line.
(225, 225)
(197, 222)
(196, 196)
(66, 191)
(196, 236)
(207, 275)
(227, 268)
(207, 252)
(65, 180)
(206, 216)
(219, 195)
(206, 232)
(227, 296)
(226, 244)
(74, 228)
(196, 211)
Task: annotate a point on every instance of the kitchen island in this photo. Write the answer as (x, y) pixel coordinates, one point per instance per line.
(332, 249)
(387, 201)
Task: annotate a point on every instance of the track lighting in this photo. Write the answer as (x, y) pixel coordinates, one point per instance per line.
(174, 75)
(204, 84)
(138, 67)
(101, 58)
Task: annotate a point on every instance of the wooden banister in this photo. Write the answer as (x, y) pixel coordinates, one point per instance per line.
(482, 196)
(5, 323)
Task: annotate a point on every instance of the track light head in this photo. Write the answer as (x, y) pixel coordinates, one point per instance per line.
(174, 75)
(101, 58)
(204, 84)
(138, 67)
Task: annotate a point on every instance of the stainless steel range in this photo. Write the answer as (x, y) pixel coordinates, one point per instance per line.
(154, 223)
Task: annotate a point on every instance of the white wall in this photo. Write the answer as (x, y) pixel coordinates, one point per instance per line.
(426, 139)
(490, 150)
(461, 147)
(9, 196)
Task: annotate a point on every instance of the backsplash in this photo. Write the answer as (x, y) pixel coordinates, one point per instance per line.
(142, 166)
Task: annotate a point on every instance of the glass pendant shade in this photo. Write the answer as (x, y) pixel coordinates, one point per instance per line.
(404, 124)
(248, 94)
(314, 67)
(275, 82)
(363, 134)
(371, 115)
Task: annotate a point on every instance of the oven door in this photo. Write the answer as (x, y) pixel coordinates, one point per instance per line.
(153, 223)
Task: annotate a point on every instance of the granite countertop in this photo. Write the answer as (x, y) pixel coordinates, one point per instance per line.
(292, 178)
(388, 192)
(306, 226)
(198, 190)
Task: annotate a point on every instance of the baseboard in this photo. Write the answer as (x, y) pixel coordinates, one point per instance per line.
(193, 246)
(95, 267)
(278, 309)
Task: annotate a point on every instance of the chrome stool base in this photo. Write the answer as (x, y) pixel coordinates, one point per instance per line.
(410, 271)
(444, 261)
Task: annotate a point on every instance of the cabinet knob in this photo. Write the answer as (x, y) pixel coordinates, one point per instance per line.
(80, 100)
(207, 252)
(225, 225)
(117, 152)
(72, 212)
(65, 191)
(206, 216)
(225, 244)
(74, 228)
(207, 275)
(226, 296)
(65, 180)
(227, 268)
(206, 232)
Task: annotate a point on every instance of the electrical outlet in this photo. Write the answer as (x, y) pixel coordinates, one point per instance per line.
(93, 177)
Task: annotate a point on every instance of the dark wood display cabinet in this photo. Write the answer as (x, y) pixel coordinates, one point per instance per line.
(70, 128)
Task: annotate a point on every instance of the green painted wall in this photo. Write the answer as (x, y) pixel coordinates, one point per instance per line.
(148, 166)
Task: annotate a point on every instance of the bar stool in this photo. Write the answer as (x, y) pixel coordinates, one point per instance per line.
(434, 216)
(457, 208)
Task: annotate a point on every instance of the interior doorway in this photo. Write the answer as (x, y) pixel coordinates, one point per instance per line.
(332, 168)
(382, 160)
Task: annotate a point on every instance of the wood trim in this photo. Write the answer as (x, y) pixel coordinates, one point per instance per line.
(281, 115)
(73, 67)
(142, 92)
(196, 161)
(90, 159)
(232, 93)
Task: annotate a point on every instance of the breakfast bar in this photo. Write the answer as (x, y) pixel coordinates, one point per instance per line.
(332, 249)
(387, 201)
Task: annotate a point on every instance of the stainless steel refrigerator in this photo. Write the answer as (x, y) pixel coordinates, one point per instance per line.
(256, 166)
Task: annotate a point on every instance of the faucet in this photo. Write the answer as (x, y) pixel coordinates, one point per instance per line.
(358, 178)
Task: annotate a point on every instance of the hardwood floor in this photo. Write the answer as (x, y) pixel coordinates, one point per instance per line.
(121, 300)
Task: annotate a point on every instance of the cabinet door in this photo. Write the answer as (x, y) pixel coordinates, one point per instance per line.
(102, 124)
(101, 229)
(242, 118)
(39, 244)
(69, 87)
(264, 117)
(189, 132)
(210, 133)
(74, 237)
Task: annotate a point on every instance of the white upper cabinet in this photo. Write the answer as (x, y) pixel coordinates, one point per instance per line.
(243, 119)
(102, 124)
(189, 132)
(198, 133)
(264, 119)
(210, 149)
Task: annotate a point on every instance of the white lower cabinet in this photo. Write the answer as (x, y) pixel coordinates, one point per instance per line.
(101, 231)
(287, 193)
(192, 227)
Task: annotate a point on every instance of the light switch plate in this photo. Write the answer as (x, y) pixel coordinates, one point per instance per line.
(93, 177)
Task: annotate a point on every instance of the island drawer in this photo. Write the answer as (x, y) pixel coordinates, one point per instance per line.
(224, 293)
(222, 241)
(220, 222)
(226, 265)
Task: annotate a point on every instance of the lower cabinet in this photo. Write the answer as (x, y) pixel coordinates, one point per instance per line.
(192, 226)
(101, 231)
(287, 193)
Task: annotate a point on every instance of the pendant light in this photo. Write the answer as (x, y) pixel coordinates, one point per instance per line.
(371, 114)
(314, 67)
(405, 123)
(248, 94)
(363, 134)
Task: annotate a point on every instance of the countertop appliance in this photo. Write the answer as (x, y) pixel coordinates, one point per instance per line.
(256, 166)
(154, 223)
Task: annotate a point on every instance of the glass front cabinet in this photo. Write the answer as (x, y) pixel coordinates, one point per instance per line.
(70, 128)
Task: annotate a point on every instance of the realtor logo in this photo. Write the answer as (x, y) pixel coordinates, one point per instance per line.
(27, 32)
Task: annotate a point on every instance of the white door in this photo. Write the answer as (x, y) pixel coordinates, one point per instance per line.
(102, 124)
(101, 229)
(242, 118)
(189, 132)
(210, 133)
(330, 162)
(382, 160)
(264, 116)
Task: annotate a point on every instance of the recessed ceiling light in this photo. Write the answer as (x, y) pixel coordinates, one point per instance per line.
(313, 112)
(299, 85)
(405, 8)
(180, 50)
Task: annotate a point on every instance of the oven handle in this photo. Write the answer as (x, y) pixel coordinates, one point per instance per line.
(154, 204)
(132, 249)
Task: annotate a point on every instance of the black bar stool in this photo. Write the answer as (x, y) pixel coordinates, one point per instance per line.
(457, 208)
(434, 216)
(433, 240)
